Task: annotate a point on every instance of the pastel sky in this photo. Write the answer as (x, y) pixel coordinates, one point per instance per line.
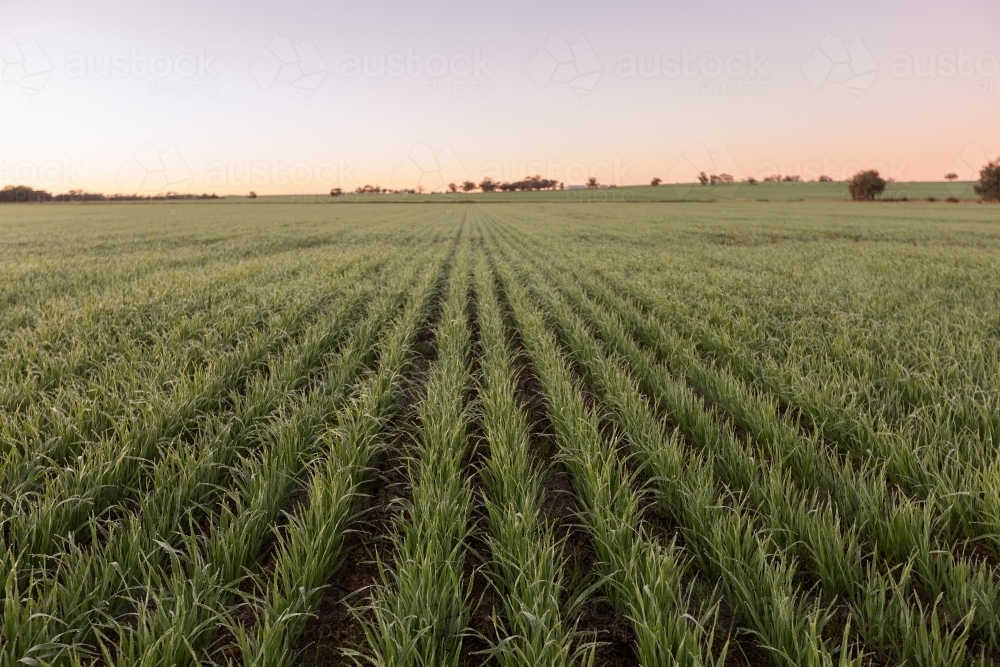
(298, 97)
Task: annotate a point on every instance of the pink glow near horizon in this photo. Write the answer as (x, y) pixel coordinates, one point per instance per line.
(299, 97)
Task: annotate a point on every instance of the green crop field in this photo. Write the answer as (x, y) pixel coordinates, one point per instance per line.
(541, 433)
(963, 191)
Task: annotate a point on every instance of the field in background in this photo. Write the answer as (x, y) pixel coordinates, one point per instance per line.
(680, 192)
(736, 432)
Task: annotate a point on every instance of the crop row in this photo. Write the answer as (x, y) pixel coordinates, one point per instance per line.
(833, 552)
(182, 491)
(95, 586)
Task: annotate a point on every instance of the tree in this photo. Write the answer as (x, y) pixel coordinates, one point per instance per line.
(452, 187)
(535, 182)
(336, 192)
(951, 176)
(702, 178)
(866, 185)
(420, 189)
(825, 179)
(488, 185)
(751, 180)
(989, 182)
(23, 194)
(468, 186)
(592, 183)
(656, 181)
(253, 195)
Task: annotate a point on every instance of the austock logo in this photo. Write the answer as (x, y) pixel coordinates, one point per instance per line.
(150, 171)
(559, 62)
(276, 173)
(733, 74)
(284, 62)
(53, 174)
(965, 168)
(457, 74)
(700, 162)
(980, 69)
(615, 171)
(179, 74)
(429, 169)
(23, 64)
(836, 63)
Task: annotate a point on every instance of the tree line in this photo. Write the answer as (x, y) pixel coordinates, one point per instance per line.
(867, 185)
(18, 194)
(528, 183)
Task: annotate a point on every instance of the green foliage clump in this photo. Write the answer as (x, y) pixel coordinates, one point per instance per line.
(866, 185)
(989, 182)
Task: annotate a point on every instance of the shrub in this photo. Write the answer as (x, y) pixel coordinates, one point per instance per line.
(866, 185)
(655, 181)
(989, 182)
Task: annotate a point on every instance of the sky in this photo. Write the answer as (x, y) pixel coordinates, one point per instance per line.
(299, 97)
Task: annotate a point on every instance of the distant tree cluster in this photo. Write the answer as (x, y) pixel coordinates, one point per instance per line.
(13, 194)
(167, 196)
(80, 195)
(466, 186)
(22, 193)
(715, 179)
(778, 178)
(529, 183)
